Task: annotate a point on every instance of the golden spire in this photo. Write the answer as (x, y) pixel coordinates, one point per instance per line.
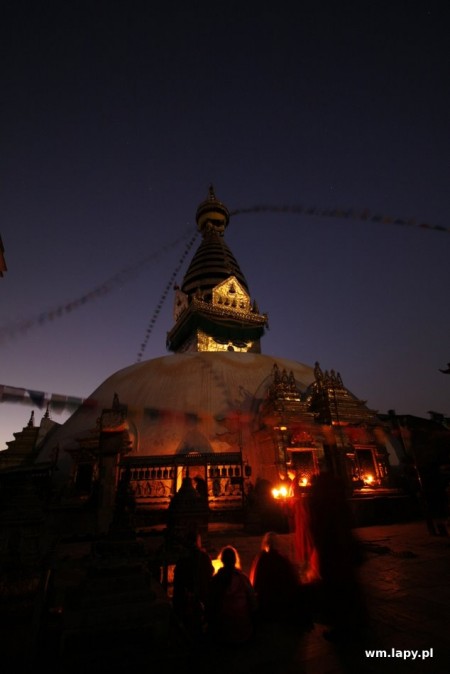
(212, 214)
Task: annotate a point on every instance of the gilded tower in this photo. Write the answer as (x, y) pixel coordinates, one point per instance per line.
(213, 309)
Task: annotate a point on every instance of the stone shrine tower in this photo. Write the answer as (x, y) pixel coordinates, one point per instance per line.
(213, 309)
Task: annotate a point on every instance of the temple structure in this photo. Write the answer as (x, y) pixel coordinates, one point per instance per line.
(213, 309)
(217, 410)
(95, 508)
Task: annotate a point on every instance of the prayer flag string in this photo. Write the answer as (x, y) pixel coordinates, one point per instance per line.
(349, 213)
(13, 330)
(159, 306)
(55, 401)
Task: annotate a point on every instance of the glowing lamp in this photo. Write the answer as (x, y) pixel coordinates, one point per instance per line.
(280, 492)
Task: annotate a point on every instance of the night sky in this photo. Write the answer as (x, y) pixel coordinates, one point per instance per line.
(116, 117)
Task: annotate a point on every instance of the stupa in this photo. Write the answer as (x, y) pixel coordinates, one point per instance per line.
(216, 409)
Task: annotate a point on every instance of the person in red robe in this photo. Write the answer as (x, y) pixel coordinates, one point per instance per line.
(305, 550)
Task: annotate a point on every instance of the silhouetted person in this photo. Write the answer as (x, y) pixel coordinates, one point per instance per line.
(434, 486)
(339, 555)
(201, 488)
(275, 581)
(192, 575)
(232, 602)
(187, 512)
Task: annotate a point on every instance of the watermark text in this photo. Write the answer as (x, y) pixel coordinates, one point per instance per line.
(403, 654)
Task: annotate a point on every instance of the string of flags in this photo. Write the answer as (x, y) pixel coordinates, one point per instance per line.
(162, 299)
(349, 213)
(11, 331)
(55, 401)
(364, 215)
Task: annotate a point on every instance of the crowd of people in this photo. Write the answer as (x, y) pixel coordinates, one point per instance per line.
(228, 606)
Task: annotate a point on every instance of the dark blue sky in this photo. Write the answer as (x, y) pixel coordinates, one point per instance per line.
(115, 118)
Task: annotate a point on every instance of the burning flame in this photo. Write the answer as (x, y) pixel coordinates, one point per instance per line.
(217, 564)
(280, 492)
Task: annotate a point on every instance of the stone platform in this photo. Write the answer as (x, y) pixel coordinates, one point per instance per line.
(406, 582)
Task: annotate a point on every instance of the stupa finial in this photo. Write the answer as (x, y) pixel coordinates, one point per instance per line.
(31, 421)
(212, 214)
